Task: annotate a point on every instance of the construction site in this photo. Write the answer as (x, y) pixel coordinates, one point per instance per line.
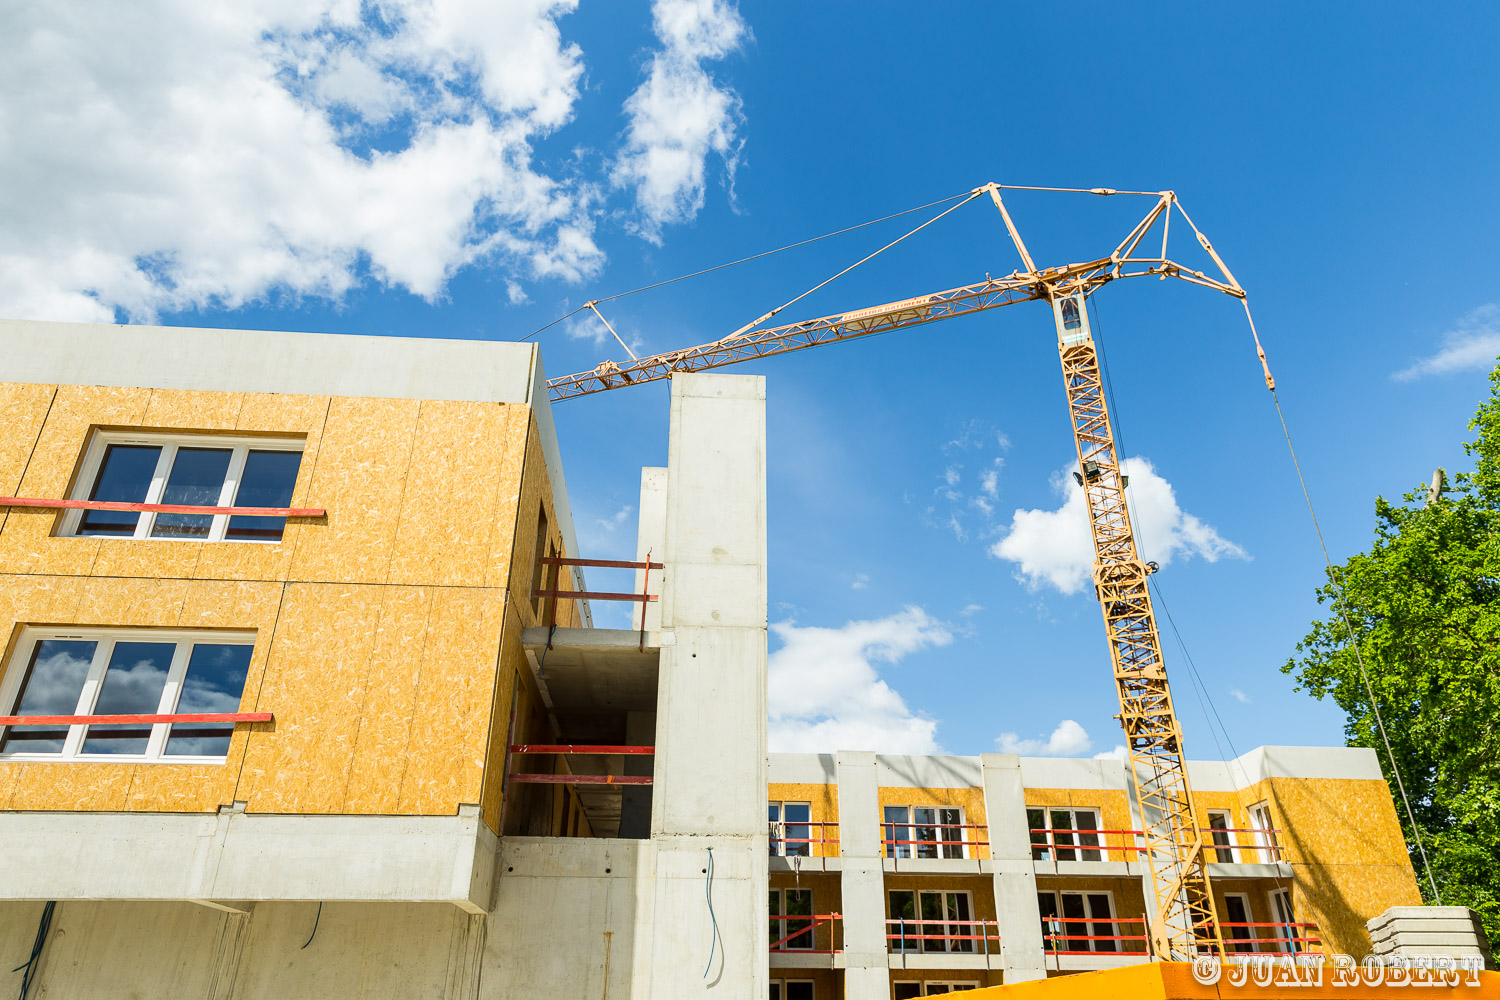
(302, 689)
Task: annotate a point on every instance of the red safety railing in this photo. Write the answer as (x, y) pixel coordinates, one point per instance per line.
(162, 508)
(936, 846)
(1080, 936)
(528, 778)
(800, 937)
(643, 598)
(1297, 936)
(963, 937)
(1059, 844)
(783, 845)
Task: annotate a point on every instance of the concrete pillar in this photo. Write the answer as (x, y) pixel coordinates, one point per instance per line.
(1015, 876)
(867, 974)
(651, 536)
(710, 790)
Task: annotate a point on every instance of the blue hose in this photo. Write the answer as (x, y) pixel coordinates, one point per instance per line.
(708, 893)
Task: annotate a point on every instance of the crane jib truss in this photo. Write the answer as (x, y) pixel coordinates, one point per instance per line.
(1185, 921)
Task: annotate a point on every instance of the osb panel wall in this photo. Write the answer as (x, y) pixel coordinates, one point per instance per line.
(971, 800)
(1113, 806)
(827, 897)
(1349, 861)
(380, 645)
(823, 808)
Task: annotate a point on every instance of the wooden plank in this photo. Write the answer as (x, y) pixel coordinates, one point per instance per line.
(162, 508)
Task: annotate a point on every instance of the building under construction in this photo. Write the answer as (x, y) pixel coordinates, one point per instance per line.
(301, 696)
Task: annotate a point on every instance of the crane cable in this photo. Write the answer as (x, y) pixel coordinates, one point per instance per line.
(967, 195)
(1338, 594)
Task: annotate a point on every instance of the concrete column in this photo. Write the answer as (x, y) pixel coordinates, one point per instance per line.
(651, 537)
(710, 789)
(1015, 877)
(867, 974)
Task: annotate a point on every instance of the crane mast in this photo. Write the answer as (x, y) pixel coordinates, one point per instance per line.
(1185, 920)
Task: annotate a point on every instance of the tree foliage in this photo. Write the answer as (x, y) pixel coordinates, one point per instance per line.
(1423, 605)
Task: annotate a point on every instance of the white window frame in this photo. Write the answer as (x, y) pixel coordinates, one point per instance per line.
(810, 931)
(1231, 847)
(1050, 845)
(777, 828)
(1250, 932)
(240, 447)
(1113, 919)
(811, 984)
(951, 945)
(954, 985)
(1264, 838)
(10, 687)
(1281, 931)
(943, 844)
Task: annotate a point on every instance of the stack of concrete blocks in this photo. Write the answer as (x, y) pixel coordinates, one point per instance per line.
(1413, 931)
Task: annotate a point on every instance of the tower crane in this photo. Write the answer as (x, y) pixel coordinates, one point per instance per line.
(1185, 921)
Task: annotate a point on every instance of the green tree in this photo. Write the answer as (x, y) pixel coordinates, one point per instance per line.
(1424, 608)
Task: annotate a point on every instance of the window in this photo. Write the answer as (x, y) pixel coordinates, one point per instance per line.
(1237, 911)
(1066, 922)
(931, 921)
(538, 567)
(1218, 826)
(791, 834)
(1264, 837)
(791, 989)
(908, 988)
(203, 470)
(1064, 834)
(1071, 319)
(793, 935)
(135, 672)
(1281, 912)
(924, 832)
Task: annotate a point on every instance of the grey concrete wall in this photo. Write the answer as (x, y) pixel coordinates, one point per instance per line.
(867, 973)
(234, 856)
(703, 930)
(1014, 874)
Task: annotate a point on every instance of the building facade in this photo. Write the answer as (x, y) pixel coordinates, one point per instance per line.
(345, 732)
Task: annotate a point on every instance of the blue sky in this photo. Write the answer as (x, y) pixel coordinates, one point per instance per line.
(466, 169)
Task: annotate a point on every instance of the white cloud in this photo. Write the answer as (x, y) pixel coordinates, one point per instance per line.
(825, 694)
(1118, 753)
(1240, 696)
(680, 115)
(1054, 548)
(168, 155)
(1068, 740)
(1472, 344)
(616, 519)
(861, 581)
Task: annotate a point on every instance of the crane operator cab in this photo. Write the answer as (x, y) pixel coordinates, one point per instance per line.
(1072, 319)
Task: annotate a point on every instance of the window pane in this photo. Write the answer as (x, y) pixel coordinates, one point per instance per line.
(52, 685)
(798, 903)
(896, 817)
(1062, 820)
(1236, 912)
(196, 478)
(1036, 820)
(1099, 907)
(124, 477)
(775, 987)
(797, 833)
(928, 834)
(932, 910)
(1084, 819)
(214, 682)
(266, 482)
(904, 912)
(1046, 904)
(799, 991)
(907, 990)
(133, 684)
(1075, 933)
(958, 910)
(952, 833)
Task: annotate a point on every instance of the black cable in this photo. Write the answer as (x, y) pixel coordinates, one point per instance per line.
(314, 933)
(31, 965)
(745, 260)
